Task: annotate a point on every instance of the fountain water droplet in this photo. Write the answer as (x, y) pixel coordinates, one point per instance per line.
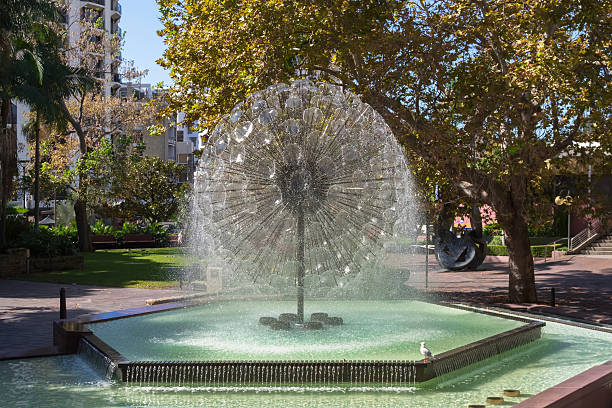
(243, 131)
(267, 116)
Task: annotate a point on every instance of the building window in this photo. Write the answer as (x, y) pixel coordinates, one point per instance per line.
(179, 135)
(183, 158)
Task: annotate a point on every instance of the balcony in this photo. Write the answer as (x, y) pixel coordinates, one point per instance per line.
(93, 3)
(115, 9)
(95, 17)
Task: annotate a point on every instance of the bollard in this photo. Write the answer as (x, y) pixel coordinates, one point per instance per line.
(62, 303)
(552, 297)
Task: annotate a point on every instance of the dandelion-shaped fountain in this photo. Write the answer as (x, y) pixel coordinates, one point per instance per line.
(299, 180)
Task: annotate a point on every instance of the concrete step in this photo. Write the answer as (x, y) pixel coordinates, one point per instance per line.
(602, 245)
(594, 252)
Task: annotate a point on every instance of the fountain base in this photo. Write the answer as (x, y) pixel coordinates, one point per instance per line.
(286, 320)
(397, 372)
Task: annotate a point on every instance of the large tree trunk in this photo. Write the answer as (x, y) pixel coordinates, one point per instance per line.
(80, 212)
(80, 205)
(521, 285)
(8, 163)
(37, 175)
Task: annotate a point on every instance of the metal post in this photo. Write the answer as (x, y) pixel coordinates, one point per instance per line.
(62, 303)
(426, 249)
(301, 266)
(552, 297)
(569, 215)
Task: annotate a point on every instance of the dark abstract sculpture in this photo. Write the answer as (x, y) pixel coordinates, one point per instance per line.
(466, 251)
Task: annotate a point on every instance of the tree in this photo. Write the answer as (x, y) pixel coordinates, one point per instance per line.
(146, 187)
(46, 93)
(484, 92)
(85, 160)
(95, 120)
(22, 25)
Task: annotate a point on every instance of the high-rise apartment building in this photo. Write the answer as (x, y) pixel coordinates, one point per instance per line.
(105, 15)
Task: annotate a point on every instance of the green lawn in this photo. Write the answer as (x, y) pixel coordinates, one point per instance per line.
(152, 268)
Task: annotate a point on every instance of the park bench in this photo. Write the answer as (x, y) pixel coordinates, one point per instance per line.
(105, 240)
(138, 239)
(174, 239)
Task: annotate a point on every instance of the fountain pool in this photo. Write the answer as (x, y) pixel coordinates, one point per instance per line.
(372, 330)
(562, 352)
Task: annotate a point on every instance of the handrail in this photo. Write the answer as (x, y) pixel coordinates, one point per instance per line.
(553, 245)
(584, 235)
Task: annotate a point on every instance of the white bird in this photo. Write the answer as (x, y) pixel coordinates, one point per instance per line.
(425, 351)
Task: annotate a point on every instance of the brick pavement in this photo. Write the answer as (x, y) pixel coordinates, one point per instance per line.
(27, 310)
(583, 286)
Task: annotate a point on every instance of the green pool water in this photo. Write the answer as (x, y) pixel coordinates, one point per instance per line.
(67, 381)
(372, 330)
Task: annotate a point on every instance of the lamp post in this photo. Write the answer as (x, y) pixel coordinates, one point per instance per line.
(427, 249)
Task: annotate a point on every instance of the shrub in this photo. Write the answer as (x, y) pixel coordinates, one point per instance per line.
(544, 229)
(16, 225)
(45, 243)
(69, 231)
(495, 240)
(536, 250)
(497, 250)
(544, 250)
(160, 234)
(16, 210)
(99, 228)
(126, 228)
(492, 229)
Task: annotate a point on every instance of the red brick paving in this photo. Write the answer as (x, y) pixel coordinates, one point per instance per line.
(27, 311)
(583, 286)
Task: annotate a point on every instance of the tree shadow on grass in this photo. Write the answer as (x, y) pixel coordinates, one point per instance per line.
(151, 268)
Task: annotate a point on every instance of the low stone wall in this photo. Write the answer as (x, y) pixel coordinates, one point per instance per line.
(57, 263)
(17, 261)
(14, 262)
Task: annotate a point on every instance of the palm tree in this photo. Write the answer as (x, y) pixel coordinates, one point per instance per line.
(20, 23)
(47, 93)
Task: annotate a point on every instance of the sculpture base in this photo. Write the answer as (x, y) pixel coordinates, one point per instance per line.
(286, 321)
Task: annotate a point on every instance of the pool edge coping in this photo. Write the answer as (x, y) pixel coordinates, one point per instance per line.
(68, 332)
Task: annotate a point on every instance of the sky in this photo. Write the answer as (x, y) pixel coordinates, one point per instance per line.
(140, 22)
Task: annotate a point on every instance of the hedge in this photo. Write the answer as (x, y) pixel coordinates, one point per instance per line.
(538, 251)
(535, 241)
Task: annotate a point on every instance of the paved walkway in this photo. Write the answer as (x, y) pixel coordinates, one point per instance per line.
(583, 286)
(583, 291)
(27, 310)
